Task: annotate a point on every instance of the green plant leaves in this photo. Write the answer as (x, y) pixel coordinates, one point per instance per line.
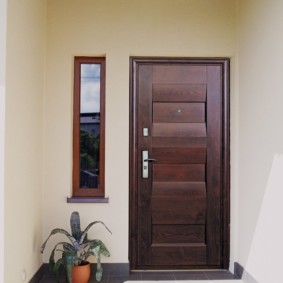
(76, 225)
(78, 250)
(89, 226)
(55, 266)
(62, 231)
(69, 259)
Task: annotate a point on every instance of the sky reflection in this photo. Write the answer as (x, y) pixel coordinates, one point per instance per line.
(90, 88)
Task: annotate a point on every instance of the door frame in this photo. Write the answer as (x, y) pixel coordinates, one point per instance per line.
(224, 63)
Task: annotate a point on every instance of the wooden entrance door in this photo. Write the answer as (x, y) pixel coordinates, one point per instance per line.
(179, 163)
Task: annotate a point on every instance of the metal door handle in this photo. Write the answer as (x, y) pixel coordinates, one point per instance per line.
(145, 161)
(151, 159)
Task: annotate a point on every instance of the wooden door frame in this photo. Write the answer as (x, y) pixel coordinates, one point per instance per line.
(224, 63)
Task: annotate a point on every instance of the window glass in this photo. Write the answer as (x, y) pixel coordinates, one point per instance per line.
(88, 132)
(89, 125)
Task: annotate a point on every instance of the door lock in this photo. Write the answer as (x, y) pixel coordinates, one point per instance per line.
(145, 164)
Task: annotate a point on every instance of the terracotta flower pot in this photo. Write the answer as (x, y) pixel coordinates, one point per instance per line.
(81, 273)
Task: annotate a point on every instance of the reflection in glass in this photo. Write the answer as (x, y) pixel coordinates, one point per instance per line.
(89, 125)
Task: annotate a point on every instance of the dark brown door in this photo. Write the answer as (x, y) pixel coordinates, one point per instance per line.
(179, 171)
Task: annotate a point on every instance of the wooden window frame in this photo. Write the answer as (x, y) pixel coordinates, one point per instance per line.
(87, 193)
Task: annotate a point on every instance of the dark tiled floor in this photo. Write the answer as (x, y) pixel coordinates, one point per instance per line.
(170, 276)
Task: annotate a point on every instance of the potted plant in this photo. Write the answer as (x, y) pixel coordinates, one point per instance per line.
(76, 252)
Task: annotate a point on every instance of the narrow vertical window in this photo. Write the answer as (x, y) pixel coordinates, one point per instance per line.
(89, 127)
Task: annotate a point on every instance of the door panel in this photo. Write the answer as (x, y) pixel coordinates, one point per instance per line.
(179, 213)
(179, 130)
(179, 155)
(182, 92)
(174, 254)
(178, 173)
(178, 74)
(191, 142)
(178, 210)
(178, 112)
(178, 234)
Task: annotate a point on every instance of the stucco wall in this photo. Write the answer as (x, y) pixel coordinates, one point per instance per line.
(3, 18)
(38, 136)
(23, 138)
(116, 29)
(260, 138)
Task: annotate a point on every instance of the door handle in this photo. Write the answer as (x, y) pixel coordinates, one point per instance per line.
(151, 159)
(145, 161)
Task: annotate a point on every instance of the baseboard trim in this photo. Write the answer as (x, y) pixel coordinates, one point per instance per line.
(241, 273)
(109, 269)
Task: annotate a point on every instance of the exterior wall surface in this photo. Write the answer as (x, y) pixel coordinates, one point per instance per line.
(23, 138)
(116, 29)
(260, 177)
(3, 33)
(36, 116)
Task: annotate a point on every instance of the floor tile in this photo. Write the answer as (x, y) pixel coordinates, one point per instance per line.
(156, 276)
(92, 279)
(122, 278)
(48, 279)
(190, 275)
(156, 273)
(169, 277)
(214, 275)
(52, 279)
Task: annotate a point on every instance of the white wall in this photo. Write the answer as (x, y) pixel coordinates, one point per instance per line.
(3, 18)
(23, 138)
(260, 138)
(117, 29)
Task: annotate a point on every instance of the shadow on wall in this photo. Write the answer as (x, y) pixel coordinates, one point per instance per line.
(265, 256)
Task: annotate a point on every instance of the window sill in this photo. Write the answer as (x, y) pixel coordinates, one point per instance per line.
(87, 200)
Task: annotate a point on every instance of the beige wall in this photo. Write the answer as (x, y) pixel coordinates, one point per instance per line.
(38, 115)
(116, 29)
(23, 138)
(3, 33)
(260, 138)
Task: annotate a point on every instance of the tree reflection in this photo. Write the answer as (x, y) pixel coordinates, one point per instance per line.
(89, 159)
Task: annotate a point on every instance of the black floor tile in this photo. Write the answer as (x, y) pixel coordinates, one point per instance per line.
(104, 279)
(122, 278)
(114, 269)
(158, 275)
(48, 280)
(154, 276)
(52, 279)
(190, 275)
(218, 275)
